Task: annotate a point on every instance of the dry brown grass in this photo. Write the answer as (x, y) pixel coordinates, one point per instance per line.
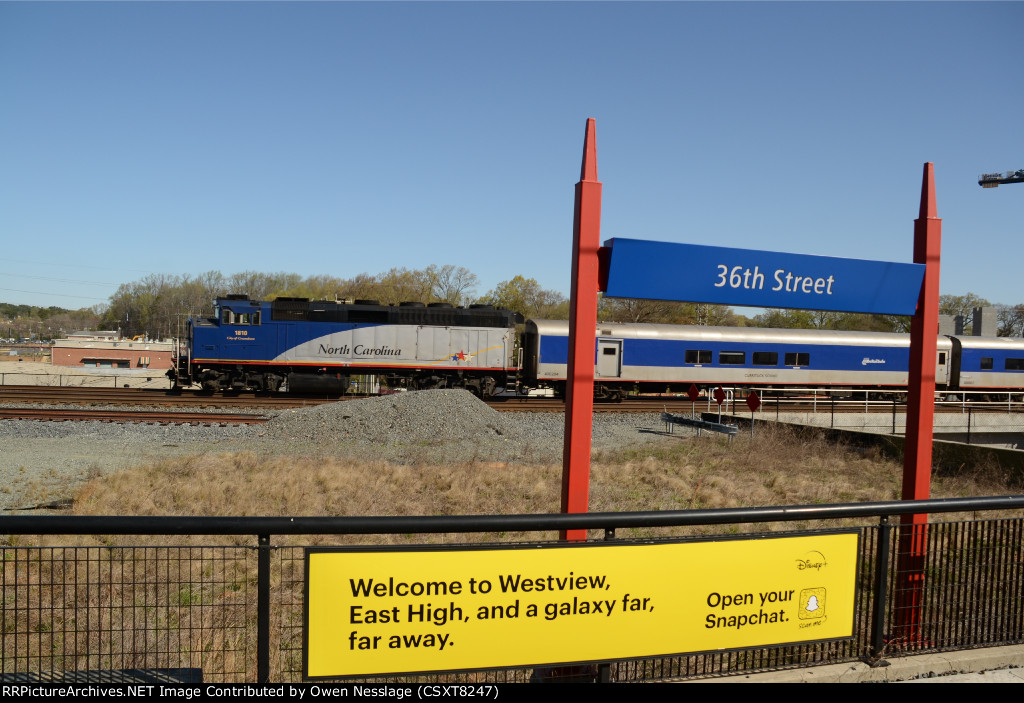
(778, 466)
(146, 605)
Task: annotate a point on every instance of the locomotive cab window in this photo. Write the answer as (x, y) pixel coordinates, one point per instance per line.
(229, 317)
(766, 358)
(942, 358)
(732, 358)
(986, 363)
(798, 359)
(1014, 364)
(697, 356)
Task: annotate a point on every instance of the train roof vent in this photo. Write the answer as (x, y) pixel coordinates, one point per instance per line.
(367, 302)
(411, 304)
(439, 305)
(236, 296)
(480, 306)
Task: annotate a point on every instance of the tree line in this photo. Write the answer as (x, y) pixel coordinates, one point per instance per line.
(32, 322)
(1010, 318)
(158, 305)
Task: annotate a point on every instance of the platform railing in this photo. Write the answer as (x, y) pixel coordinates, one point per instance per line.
(89, 596)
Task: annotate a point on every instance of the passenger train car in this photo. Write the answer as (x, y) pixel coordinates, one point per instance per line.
(317, 346)
(987, 363)
(667, 358)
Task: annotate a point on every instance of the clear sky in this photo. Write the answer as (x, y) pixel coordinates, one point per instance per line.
(343, 137)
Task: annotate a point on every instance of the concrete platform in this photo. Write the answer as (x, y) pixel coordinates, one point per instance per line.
(989, 665)
(1003, 428)
(33, 373)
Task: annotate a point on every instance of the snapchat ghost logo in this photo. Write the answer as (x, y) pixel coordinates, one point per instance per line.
(812, 603)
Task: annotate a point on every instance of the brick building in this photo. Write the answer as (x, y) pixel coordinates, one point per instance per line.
(106, 350)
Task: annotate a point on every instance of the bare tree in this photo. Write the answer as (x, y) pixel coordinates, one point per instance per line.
(1011, 320)
(525, 296)
(646, 311)
(451, 284)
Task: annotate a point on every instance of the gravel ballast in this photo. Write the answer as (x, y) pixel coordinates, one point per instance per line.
(45, 461)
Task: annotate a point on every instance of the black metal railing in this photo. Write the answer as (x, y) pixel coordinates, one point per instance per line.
(970, 417)
(81, 612)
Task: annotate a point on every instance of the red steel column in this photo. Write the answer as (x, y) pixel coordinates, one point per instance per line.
(917, 458)
(579, 389)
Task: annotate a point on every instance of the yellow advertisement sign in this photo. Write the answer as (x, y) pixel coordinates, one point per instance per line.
(378, 612)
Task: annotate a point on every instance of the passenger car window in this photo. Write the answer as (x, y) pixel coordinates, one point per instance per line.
(697, 356)
(798, 359)
(733, 358)
(766, 358)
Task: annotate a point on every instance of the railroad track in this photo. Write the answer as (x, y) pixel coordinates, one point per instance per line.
(557, 405)
(71, 395)
(48, 395)
(163, 418)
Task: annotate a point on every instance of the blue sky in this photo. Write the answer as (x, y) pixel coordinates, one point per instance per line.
(342, 137)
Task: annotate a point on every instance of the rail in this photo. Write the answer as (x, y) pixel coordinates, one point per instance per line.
(165, 417)
(233, 610)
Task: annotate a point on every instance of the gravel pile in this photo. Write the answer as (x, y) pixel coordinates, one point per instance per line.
(42, 461)
(445, 426)
(424, 417)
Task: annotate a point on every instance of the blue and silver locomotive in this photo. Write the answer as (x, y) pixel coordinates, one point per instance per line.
(316, 346)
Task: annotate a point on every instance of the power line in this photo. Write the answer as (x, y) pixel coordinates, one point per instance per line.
(60, 295)
(59, 280)
(75, 266)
